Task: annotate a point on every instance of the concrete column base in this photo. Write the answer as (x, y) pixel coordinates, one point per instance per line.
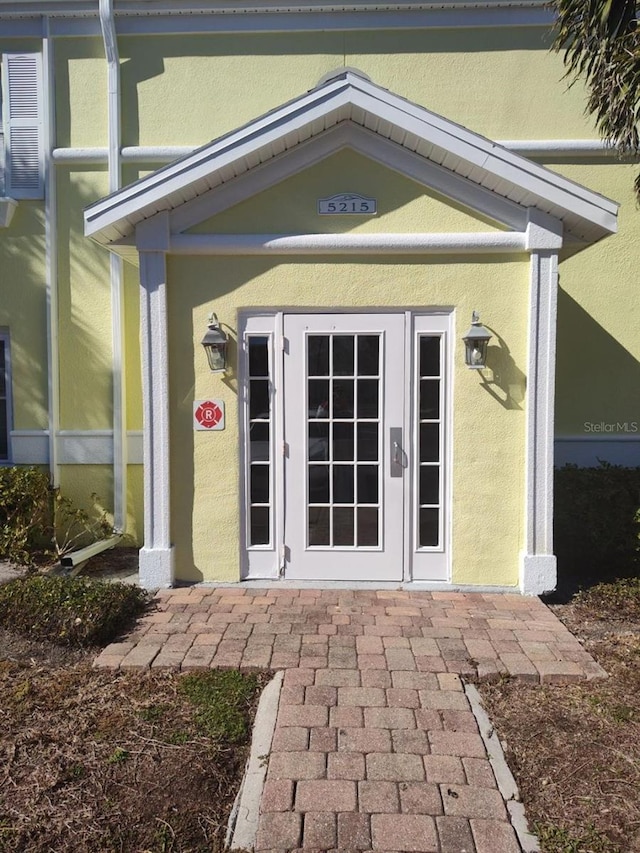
(538, 574)
(157, 569)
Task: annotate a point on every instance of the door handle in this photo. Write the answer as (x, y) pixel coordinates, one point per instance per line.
(397, 457)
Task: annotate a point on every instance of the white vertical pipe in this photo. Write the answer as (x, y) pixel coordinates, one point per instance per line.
(107, 25)
(51, 251)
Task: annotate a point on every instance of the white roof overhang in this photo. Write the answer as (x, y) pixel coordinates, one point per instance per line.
(348, 110)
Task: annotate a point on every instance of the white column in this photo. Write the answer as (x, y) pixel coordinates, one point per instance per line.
(156, 556)
(538, 564)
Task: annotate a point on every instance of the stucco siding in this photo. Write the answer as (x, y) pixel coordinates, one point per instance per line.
(23, 312)
(488, 439)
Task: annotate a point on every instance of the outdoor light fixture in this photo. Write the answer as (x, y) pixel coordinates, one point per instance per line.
(475, 344)
(215, 345)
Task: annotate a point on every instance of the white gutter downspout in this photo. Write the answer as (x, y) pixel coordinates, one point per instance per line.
(51, 253)
(107, 25)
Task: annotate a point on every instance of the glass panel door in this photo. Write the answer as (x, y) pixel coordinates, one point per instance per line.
(344, 513)
(346, 452)
(344, 455)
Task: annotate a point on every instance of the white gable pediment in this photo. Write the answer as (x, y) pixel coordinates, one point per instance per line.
(347, 135)
(348, 111)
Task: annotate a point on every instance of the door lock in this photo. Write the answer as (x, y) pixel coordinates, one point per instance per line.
(398, 458)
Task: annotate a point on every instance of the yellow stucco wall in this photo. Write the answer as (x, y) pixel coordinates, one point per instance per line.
(490, 458)
(81, 482)
(81, 92)
(84, 298)
(19, 45)
(598, 362)
(23, 312)
(458, 73)
(290, 206)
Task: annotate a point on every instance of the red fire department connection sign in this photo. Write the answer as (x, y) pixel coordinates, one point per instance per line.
(208, 414)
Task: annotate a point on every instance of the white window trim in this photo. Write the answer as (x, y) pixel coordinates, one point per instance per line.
(262, 561)
(21, 180)
(436, 560)
(7, 205)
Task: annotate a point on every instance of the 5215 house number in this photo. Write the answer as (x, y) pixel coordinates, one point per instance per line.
(347, 204)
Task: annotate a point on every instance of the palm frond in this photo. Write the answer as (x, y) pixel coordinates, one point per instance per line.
(600, 42)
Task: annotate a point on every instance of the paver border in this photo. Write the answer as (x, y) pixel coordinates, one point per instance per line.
(242, 828)
(504, 777)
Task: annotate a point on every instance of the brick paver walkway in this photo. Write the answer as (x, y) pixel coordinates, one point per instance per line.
(376, 747)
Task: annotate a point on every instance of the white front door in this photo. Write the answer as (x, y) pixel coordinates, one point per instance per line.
(345, 440)
(344, 457)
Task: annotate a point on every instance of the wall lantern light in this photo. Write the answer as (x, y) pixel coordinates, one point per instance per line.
(215, 345)
(475, 344)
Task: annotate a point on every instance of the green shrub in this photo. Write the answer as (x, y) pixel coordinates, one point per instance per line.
(39, 523)
(597, 520)
(618, 599)
(26, 512)
(69, 611)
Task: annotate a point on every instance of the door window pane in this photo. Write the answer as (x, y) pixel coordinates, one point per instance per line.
(318, 449)
(429, 484)
(318, 398)
(258, 356)
(429, 462)
(429, 442)
(368, 355)
(367, 442)
(260, 526)
(343, 525)
(319, 528)
(343, 355)
(368, 398)
(259, 399)
(259, 441)
(429, 399)
(429, 521)
(429, 356)
(342, 398)
(318, 484)
(260, 484)
(367, 484)
(343, 484)
(368, 526)
(343, 441)
(318, 355)
(260, 435)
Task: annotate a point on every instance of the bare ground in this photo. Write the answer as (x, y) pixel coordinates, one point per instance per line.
(100, 761)
(575, 749)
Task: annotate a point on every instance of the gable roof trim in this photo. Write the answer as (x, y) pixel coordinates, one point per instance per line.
(348, 97)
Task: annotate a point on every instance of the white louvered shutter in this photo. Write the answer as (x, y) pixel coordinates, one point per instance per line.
(22, 109)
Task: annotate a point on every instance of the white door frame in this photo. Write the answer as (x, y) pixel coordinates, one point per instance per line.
(271, 559)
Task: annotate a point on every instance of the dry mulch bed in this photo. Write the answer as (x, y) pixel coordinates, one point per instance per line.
(100, 761)
(575, 749)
